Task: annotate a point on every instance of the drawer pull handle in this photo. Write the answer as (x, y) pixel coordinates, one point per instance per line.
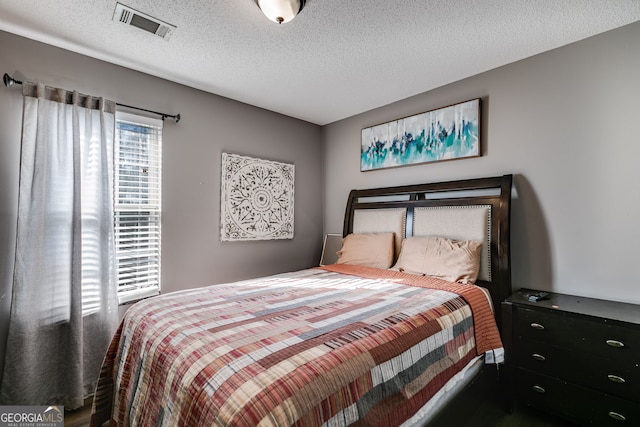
(614, 343)
(537, 326)
(538, 389)
(617, 416)
(540, 358)
(616, 379)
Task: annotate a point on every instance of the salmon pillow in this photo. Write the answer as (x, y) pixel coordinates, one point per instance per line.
(455, 261)
(369, 249)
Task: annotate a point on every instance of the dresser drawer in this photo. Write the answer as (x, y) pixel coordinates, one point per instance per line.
(600, 338)
(575, 402)
(621, 379)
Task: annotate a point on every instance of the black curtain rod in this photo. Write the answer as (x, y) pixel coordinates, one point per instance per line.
(10, 81)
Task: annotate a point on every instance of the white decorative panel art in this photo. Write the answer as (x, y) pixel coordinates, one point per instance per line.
(256, 199)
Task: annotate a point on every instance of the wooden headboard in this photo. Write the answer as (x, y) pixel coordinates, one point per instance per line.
(489, 195)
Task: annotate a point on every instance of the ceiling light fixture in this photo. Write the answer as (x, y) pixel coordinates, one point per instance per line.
(280, 11)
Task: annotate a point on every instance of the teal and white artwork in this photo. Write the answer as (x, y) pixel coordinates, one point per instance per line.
(444, 134)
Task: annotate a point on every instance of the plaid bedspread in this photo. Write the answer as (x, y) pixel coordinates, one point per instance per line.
(334, 346)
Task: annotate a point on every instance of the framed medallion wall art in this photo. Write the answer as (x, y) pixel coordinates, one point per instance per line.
(256, 199)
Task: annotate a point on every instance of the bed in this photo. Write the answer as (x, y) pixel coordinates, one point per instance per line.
(378, 341)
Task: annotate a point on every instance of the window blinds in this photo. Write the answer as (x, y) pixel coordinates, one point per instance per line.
(138, 205)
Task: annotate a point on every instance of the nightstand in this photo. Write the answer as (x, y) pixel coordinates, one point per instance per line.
(576, 357)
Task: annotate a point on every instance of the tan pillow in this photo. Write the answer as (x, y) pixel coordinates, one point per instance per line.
(370, 249)
(455, 261)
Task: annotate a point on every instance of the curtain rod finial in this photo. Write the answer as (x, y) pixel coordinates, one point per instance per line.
(10, 81)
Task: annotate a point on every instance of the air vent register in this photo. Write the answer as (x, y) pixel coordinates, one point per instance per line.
(140, 20)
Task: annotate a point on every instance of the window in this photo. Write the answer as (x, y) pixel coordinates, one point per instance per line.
(138, 205)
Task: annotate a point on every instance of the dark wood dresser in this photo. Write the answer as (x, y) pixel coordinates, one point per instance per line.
(576, 357)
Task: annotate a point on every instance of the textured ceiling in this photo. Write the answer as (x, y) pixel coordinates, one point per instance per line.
(337, 58)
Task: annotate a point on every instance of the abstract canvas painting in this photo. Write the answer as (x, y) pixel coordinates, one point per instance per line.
(256, 199)
(444, 134)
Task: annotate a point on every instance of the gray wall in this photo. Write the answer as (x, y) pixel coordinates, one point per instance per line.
(565, 123)
(192, 253)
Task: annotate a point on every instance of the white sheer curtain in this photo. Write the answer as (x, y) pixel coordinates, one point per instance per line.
(64, 304)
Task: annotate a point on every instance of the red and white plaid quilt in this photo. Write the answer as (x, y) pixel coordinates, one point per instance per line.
(338, 345)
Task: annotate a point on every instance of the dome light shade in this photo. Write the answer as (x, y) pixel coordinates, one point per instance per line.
(280, 11)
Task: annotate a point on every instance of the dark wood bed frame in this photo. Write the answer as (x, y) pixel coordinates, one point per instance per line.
(494, 191)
